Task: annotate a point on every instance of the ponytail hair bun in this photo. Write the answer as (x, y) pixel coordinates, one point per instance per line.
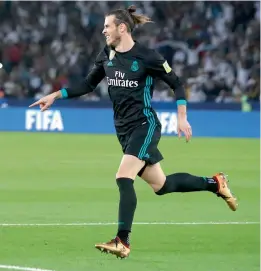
(131, 9)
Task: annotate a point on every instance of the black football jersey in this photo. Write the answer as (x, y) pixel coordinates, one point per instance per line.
(130, 77)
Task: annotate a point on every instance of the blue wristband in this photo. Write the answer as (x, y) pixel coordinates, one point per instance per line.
(181, 102)
(64, 93)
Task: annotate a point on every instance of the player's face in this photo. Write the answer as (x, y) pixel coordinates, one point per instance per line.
(111, 31)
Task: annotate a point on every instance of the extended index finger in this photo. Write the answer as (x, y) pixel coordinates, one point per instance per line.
(34, 104)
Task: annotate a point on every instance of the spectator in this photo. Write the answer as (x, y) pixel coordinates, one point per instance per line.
(213, 46)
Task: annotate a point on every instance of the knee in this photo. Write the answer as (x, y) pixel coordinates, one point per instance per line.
(157, 188)
(119, 175)
(161, 190)
(158, 192)
(124, 174)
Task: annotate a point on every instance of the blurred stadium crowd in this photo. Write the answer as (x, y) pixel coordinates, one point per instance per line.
(213, 46)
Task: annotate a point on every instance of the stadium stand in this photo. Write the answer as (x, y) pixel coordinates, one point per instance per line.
(213, 46)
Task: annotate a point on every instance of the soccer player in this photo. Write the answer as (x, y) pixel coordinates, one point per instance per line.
(130, 69)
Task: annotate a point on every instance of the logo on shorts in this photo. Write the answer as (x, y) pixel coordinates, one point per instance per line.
(135, 66)
(147, 156)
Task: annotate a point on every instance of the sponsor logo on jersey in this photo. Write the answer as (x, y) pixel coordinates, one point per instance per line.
(120, 81)
(135, 66)
(166, 67)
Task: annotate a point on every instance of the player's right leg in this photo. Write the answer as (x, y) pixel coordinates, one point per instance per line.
(184, 182)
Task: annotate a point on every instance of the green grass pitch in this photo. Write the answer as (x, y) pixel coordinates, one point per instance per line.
(63, 178)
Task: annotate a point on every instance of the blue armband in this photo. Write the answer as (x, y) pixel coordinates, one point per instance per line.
(181, 102)
(64, 93)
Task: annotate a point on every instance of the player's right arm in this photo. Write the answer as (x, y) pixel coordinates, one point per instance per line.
(94, 77)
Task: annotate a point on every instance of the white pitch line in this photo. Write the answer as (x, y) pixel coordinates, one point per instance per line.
(13, 267)
(135, 223)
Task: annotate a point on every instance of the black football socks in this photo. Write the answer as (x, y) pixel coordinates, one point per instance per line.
(184, 182)
(127, 206)
(177, 182)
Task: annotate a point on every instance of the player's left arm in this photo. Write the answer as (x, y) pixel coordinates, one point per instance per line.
(158, 67)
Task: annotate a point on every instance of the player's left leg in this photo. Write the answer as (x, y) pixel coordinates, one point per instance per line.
(185, 182)
(127, 172)
(137, 147)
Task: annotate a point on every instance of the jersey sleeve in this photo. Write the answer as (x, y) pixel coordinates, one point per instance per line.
(93, 78)
(158, 67)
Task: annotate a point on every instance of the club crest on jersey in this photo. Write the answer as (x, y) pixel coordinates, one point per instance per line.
(109, 64)
(134, 66)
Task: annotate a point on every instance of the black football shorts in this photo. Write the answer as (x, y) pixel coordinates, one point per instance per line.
(142, 142)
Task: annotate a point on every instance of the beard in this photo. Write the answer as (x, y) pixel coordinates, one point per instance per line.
(115, 42)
